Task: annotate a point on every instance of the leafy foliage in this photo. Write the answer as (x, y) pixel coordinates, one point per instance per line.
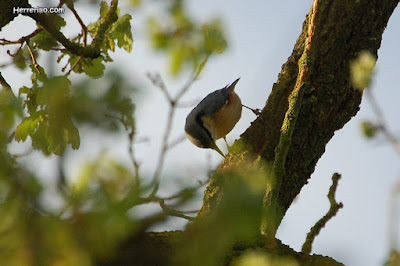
(361, 70)
(369, 129)
(73, 236)
(183, 40)
(49, 124)
(227, 225)
(97, 211)
(120, 31)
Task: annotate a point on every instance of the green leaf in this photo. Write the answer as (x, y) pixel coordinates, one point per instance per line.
(214, 39)
(27, 127)
(93, 28)
(159, 38)
(103, 9)
(37, 77)
(111, 44)
(121, 31)
(39, 138)
(361, 70)
(44, 40)
(135, 3)
(94, 68)
(369, 129)
(24, 90)
(78, 67)
(54, 134)
(177, 60)
(19, 60)
(126, 108)
(54, 93)
(10, 107)
(73, 134)
(57, 21)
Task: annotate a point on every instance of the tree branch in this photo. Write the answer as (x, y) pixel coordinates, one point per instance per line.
(274, 212)
(92, 51)
(70, 5)
(382, 124)
(173, 104)
(307, 246)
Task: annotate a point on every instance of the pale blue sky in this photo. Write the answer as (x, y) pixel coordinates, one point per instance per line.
(261, 37)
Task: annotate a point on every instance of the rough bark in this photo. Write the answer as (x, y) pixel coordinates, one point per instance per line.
(156, 249)
(6, 10)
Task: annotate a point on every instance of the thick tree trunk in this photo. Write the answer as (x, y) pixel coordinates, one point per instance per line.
(7, 8)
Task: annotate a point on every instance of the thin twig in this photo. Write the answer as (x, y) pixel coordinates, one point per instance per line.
(172, 212)
(35, 64)
(72, 67)
(188, 104)
(173, 102)
(20, 40)
(6, 64)
(307, 246)
(189, 83)
(382, 124)
(16, 52)
(256, 111)
(185, 191)
(168, 209)
(70, 5)
(164, 149)
(176, 142)
(131, 138)
(159, 83)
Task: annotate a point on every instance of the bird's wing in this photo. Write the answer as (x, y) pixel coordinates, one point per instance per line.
(213, 102)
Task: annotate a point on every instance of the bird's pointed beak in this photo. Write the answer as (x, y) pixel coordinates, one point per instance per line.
(215, 147)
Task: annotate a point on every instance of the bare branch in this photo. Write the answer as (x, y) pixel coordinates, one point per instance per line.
(131, 138)
(18, 50)
(72, 67)
(20, 40)
(70, 5)
(34, 62)
(173, 104)
(159, 83)
(176, 142)
(307, 246)
(382, 124)
(172, 212)
(194, 77)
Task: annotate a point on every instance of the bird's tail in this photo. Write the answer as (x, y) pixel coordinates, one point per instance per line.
(232, 86)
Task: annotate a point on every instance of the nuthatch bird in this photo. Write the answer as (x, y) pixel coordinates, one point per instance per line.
(214, 117)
